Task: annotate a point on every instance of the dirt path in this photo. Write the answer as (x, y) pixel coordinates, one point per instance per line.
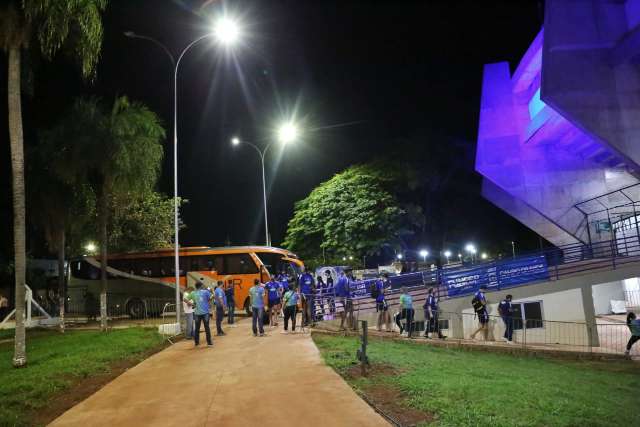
(242, 380)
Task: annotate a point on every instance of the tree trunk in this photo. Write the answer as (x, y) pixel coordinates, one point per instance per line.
(61, 277)
(17, 166)
(104, 209)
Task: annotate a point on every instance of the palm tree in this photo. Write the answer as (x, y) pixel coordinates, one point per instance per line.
(49, 24)
(116, 152)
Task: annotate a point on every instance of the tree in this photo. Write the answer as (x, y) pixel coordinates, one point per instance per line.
(118, 152)
(355, 213)
(51, 25)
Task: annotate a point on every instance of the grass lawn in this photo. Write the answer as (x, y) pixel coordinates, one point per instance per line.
(56, 362)
(486, 389)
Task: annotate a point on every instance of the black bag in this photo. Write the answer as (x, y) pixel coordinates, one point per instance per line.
(374, 290)
(477, 304)
(266, 319)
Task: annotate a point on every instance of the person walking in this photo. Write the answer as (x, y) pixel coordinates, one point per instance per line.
(382, 308)
(273, 298)
(634, 326)
(219, 300)
(506, 313)
(231, 303)
(187, 307)
(201, 298)
(290, 300)
(307, 290)
(479, 303)
(407, 312)
(431, 309)
(256, 294)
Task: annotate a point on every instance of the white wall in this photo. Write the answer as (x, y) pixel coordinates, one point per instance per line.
(604, 293)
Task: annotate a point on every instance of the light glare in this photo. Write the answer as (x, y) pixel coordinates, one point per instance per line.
(91, 247)
(227, 31)
(287, 132)
(235, 140)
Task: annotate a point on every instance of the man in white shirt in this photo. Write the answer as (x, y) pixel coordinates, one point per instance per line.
(187, 306)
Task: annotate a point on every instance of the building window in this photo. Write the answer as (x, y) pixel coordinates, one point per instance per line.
(527, 313)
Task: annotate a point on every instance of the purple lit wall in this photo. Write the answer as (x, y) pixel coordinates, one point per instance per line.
(542, 149)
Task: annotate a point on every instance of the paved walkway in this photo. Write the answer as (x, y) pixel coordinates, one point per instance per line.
(242, 380)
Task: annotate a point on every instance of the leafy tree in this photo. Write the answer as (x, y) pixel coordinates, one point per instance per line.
(355, 213)
(50, 25)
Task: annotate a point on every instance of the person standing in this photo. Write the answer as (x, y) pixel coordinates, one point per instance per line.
(382, 308)
(256, 294)
(407, 311)
(330, 292)
(479, 303)
(4, 307)
(187, 307)
(342, 296)
(506, 312)
(431, 309)
(290, 300)
(219, 300)
(231, 303)
(201, 298)
(307, 289)
(273, 298)
(634, 327)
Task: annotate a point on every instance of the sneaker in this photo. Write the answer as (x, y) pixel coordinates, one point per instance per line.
(255, 335)
(509, 342)
(210, 345)
(263, 334)
(505, 339)
(443, 337)
(284, 332)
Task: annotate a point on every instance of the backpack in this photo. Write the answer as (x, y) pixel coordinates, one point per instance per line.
(477, 304)
(374, 290)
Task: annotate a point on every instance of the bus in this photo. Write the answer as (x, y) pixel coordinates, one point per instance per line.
(142, 283)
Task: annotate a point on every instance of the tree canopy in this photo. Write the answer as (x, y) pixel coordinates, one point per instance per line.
(355, 213)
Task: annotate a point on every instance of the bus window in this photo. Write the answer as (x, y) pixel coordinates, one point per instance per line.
(239, 264)
(84, 270)
(276, 265)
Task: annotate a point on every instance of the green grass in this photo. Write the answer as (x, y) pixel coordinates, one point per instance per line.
(488, 389)
(56, 362)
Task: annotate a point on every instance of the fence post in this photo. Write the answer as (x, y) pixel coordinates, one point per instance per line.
(524, 333)
(362, 351)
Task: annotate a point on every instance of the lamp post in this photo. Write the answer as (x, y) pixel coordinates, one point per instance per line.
(472, 251)
(447, 254)
(227, 32)
(287, 132)
(424, 254)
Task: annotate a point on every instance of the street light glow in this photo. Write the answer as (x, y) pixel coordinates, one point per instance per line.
(447, 254)
(424, 253)
(484, 255)
(350, 258)
(287, 132)
(227, 31)
(91, 247)
(235, 140)
(470, 248)
(399, 256)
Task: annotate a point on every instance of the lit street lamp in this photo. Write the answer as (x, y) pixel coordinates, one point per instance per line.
(91, 247)
(447, 254)
(227, 32)
(424, 254)
(286, 133)
(399, 256)
(484, 255)
(472, 251)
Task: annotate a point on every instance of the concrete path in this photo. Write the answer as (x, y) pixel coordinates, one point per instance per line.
(276, 380)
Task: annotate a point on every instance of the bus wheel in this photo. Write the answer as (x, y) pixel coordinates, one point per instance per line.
(247, 307)
(135, 309)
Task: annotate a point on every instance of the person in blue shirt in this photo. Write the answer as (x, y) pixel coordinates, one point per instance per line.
(634, 327)
(284, 282)
(273, 290)
(481, 312)
(219, 299)
(290, 300)
(506, 312)
(201, 298)
(256, 294)
(306, 287)
(431, 315)
(231, 303)
(406, 312)
(330, 292)
(342, 296)
(381, 304)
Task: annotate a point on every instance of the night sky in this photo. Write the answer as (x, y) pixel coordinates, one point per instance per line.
(360, 75)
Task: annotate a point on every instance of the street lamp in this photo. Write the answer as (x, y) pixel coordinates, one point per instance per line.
(287, 132)
(399, 256)
(91, 247)
(472, 251)
(424, 254)
(484, 255)
(447, 254)
(227, 32)
(350, 258)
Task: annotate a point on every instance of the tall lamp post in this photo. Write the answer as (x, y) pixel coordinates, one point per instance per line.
(287, 132)
(226, 32)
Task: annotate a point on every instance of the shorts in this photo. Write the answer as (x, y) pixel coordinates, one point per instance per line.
(381, 306)
(274, 303)
(483, 317)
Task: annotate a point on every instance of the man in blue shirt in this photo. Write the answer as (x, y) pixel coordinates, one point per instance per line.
(431, 315)
(231, 303)
(290, 300)
(381, 304)
(257, 308)
(307, 290)
(481, 311)
(219, 301)
(506, 312)
(201, 298)
(273, 297)
(342, 296)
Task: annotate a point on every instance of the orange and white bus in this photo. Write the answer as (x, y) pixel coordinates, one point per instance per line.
(143, 282)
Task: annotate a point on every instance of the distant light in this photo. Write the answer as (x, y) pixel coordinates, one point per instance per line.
(235, 140)
(424, 253)
(91, 247)
(227, 31)
(447, 254)
(344, 258)
(484, 255)
(399, 256)
(287, 132)
(459, 255)
(350, 258)
(470, 248)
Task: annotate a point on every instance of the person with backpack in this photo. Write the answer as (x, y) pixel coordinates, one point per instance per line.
(506, 311)
(431, 315)
(406, 312)
(634, 327)
(479, 303)
(378, 289)
(290, 300)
